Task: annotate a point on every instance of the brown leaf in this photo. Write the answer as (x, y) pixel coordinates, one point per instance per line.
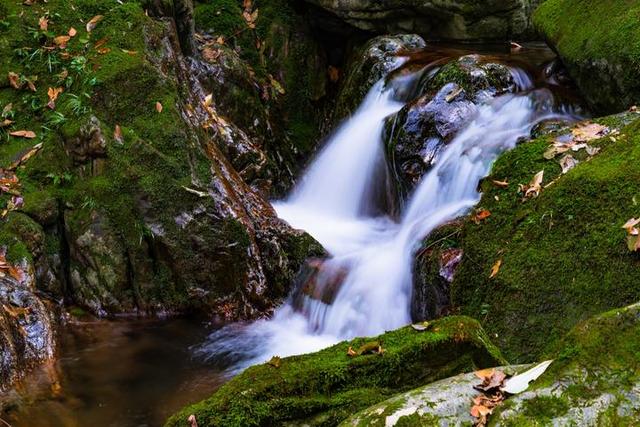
(567, 163)
(72, 32)
(117, 134)
(334, 74)
(53, 95)
(493, 381)
(61, 41)
(5, 123)
(14, 80)
(481, 215)
(103, 50)
(630, 226)
(534, 187)
(588, 131)
(351, 352)
(93, 22)
(23, 134)
(500, 184)
(495, 269)
(158, 107)
(100, 43)
(484, 373)
(43, 23)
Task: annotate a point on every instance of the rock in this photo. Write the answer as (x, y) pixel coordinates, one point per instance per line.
(368, 65)
(600, 53)
(442, 403)
(594, 381)
(88, 146)
(324, 388)
(446, 101)
(26, 326)
(452, 20)
(554, 271)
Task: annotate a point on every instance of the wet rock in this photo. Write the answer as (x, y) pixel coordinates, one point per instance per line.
(442, 403)
(446, 101)
(26, 333)
(453, 20)
(324, 388)
(368, 65)
(88, 146)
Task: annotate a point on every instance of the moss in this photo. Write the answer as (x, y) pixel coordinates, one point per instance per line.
(545, 407)
(599, 41)
(221, 17)
(323, 388)
(564, 255)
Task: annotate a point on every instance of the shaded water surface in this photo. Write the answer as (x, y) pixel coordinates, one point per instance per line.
(114, 373)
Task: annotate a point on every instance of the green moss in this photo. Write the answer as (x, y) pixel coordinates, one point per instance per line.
(564, 255)
(599, 41)
(323, 388)
(545, 407)
(221, 17)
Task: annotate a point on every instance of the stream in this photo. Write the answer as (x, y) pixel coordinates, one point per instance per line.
(137, 372)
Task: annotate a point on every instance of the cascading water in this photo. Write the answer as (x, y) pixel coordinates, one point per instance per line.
(365, 286)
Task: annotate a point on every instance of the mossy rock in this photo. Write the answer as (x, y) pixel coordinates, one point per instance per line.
(594, 380)
(563, 254)
(324, 388)
(599, 42)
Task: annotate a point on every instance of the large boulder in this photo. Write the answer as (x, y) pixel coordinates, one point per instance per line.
(324, 388)
(593, 381)
(538, 265)
(599, 42)
(462, 20)
(150, 195)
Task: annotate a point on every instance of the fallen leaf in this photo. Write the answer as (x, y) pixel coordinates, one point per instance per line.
(520, 383)
(93, 22)
(72, 32)
(480, 411)
(423, 326)
(103, 50)
(500, 184)
(481, 215)
(61, 41)
(158, 107)
(23, 134)
(534, 187)
(588, 131)
(630, 226)
(26, 156)
(334, 74)
(53, 95)
(495, 269)
(351, 352)
(220, 40)
(130, 52)
(275, 361)
(117, 135)
(100, 43)
(276, 85)
(567, 163)
(492, 382)
(14, 80)
(484, 373)
(5, 123)
(43, 23)
(592, 151)
(7, 109)
(192, 421)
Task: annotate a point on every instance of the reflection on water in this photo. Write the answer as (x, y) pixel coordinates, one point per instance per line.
(118, 373)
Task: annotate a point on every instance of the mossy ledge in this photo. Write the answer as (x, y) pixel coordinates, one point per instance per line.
(563, 254)
(599, 42)
(324, 388)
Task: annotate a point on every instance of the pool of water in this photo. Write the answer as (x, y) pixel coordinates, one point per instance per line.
(114, 373)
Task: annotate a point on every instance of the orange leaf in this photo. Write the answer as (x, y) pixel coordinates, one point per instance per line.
(72, 32)
(93, 22)
(43, 23)
(61, 41)
(495, 269)
(158, 107)
(484, 373)
(23, 134)
(53, 95)
(481, 215)
(14, 80)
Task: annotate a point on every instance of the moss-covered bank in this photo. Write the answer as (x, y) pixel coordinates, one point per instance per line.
(599, 42)
(325, 387)
(563, 255)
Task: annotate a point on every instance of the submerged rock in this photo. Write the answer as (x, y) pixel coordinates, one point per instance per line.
(452, 20)
(326, 387)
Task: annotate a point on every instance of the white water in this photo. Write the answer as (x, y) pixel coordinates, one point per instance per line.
(375, 253)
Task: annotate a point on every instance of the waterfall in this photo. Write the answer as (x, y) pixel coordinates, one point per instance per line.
(366, 284)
